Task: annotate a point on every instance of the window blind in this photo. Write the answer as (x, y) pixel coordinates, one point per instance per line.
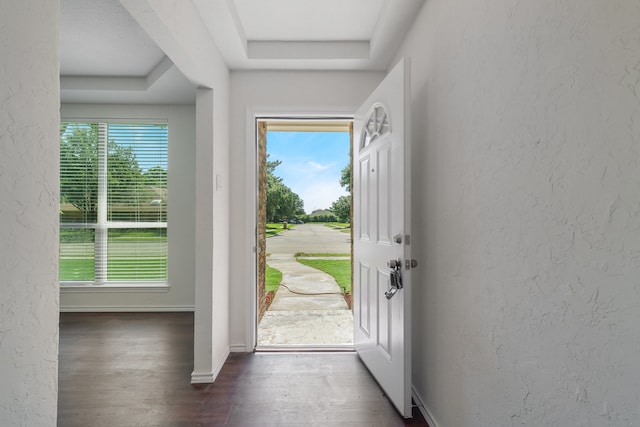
(113, 213)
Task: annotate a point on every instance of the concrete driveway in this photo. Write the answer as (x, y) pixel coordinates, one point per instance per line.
(310, 238)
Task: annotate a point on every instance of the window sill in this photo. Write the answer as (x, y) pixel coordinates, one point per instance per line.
(120, 287)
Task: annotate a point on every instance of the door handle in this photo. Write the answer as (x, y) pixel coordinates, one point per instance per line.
(391, 292)
(395, 278)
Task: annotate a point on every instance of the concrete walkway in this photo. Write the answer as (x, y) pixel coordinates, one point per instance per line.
(304, 288)
(308, 309)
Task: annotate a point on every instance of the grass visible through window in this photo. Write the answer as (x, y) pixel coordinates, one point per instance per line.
(139, 269)
(132, 255)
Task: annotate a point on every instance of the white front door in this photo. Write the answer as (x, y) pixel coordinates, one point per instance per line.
(382, 228)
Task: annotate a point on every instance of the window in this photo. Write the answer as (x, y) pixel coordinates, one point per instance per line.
(113, 203)
(377, 125)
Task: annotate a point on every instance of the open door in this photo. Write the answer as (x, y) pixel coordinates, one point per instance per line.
(382, 229)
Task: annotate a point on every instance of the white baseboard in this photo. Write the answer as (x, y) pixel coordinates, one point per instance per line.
(202, 378)
(124, 308)
(423, 408)
(239, 348)
(218, 367)
(210, 377)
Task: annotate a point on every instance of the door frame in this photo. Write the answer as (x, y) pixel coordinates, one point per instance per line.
(251, 196)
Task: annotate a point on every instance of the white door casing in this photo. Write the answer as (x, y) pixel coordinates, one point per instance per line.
(382, 229)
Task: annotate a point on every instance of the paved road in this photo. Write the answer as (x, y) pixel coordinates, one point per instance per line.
(310, 238)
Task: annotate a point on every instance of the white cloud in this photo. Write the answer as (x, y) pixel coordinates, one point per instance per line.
(320, 195)
(319, 167)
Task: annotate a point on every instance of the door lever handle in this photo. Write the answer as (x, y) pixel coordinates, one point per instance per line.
(390, 293)
(395, 278)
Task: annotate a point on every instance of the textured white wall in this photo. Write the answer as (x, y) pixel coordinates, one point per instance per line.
(272, 92)
(29, 203)
(181, 215)
(526, 126)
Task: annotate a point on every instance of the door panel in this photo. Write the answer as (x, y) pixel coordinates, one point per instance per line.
(363, 314)
(363, 199)
(382, 224)
(384, 307)
(384, 191)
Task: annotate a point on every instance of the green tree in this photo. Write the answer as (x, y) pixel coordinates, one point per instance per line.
(272, 165)
(341, 208)
(282, 202)
(156, 176)
(79, 168)
(79, 171)
(125, 183)
(155, 179)
(345, 178)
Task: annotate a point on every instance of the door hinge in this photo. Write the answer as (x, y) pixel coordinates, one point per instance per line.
(407, 240)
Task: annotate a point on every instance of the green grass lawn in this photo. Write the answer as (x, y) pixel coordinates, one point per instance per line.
(339, 269)
(275, 228)
(345, 227)
(273, 279)
(337, 224)
(79, 269)
(315, 254)
(145, 269)
(133, 254)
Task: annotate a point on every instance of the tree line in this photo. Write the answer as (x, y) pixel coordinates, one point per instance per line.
(127, 183)
(284, 205)
(341, 208)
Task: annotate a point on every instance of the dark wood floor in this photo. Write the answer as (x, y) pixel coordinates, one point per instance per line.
(133, 369)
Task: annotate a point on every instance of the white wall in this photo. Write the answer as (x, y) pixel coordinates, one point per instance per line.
(268, 93)
(180, 32)
(181, 216)
(29, 202)
(526, 128)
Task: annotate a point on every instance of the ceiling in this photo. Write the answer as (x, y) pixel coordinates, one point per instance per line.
(304, 20)
(107, 57)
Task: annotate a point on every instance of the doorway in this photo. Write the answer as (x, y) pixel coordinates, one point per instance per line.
(304, 247)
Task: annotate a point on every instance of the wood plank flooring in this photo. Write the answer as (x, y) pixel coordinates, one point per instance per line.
(133, 369)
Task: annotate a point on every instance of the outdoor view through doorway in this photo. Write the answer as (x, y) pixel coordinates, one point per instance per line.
(304, 234)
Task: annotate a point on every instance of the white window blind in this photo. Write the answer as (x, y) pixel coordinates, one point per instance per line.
(113, 214)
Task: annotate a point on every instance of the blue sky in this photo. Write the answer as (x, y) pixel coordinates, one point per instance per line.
(311, 164)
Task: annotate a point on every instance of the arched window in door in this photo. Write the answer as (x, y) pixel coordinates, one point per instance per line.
(377, 125)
